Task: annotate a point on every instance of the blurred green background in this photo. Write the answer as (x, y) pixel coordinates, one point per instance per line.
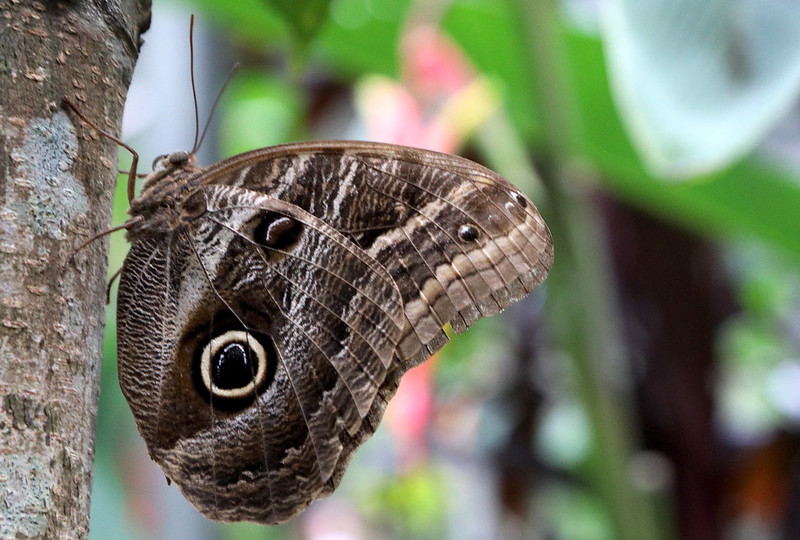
(650, 389)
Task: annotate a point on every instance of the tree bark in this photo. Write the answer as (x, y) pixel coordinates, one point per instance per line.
(56, 180)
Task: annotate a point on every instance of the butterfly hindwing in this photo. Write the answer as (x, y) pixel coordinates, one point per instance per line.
(250, 267)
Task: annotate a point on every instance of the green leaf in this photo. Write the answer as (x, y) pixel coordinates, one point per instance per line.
(362, 36)
(750, 198)
(248, 21)
(698, 84)
(257, 111)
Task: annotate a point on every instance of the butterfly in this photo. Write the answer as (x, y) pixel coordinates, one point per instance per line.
(271, 302)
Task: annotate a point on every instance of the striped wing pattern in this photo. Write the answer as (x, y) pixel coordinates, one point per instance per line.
(348, 261)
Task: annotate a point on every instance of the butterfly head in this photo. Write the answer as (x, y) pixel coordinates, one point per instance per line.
(176, 160)
(156, 204)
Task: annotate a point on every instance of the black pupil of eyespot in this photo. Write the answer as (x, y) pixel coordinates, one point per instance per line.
(521, 200)
(233, 367)
(468, 233)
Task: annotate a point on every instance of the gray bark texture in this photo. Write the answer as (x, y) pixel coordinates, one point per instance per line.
(56, 180)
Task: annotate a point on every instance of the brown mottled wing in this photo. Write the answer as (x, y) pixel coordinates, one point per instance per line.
(406, 208)
(331, 314)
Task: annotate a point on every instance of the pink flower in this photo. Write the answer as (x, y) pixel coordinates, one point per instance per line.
(441, 102)
(409, 414)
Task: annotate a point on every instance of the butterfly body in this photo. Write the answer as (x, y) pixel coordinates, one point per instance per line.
(271, 302)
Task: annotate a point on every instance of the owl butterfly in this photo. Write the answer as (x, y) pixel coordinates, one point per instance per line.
(271, 302)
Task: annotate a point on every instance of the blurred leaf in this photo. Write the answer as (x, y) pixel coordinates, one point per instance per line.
(357, 36)
(751, 199)
(489, 35)
(573, 514)
(698, 84)
(252, 531)
(565, 434)
(258, 111)
(749, 351)
(248, 21)
(769, 287)
(362, 35)
(304, 18)
(463, 362)
(416, 503)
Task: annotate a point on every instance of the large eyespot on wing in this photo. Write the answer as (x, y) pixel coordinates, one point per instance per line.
(339, 310)
(275, 335)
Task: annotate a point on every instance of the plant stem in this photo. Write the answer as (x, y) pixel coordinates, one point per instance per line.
(582, 298)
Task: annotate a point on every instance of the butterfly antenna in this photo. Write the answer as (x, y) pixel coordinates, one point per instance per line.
(216, 102)
(127, 225)
(194, 88)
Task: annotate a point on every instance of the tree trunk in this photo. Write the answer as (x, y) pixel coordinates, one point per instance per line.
(56, 180)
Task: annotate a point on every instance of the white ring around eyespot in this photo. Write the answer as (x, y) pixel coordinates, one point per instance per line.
(243, 338)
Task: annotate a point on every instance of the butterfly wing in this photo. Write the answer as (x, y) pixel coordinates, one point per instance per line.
(264, 336)
(345, 262)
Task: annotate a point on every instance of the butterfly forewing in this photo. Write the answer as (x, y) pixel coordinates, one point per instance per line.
(406, 208)
(271, 303)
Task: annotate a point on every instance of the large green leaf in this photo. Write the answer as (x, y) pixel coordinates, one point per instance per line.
(248, 21)
(259, 110)
(699, 83)
(750, 198)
